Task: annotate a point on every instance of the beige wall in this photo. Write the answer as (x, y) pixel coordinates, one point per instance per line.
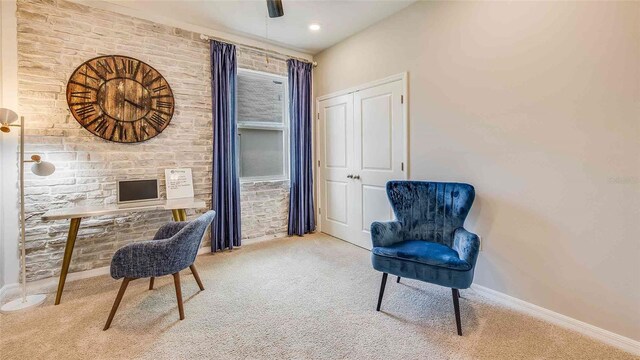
(537, 105)
(9, 262)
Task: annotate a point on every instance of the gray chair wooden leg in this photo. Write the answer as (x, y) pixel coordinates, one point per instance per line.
(195, 275)
(176, 281)
(116, 303)
(151, 283)
(398, 280)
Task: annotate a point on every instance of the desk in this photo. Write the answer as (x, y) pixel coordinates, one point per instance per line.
(178, 209)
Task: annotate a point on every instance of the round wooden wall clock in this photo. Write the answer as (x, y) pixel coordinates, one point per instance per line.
(119, 98)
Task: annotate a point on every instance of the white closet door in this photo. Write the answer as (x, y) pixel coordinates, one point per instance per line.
(362, 146)
(336, 159)
(378, 154)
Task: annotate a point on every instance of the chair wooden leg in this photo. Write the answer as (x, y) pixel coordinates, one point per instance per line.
(176, 281)
(398, 280)
(123, 288)
(382, 285)
(195, 275)
(151, 283)
(456, 308)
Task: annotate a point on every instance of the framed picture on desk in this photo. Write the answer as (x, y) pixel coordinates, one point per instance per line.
(179, 183)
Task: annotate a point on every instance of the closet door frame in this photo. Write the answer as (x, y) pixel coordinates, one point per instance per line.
(319, 135)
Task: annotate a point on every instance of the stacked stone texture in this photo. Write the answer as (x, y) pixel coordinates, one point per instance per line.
(54, 37)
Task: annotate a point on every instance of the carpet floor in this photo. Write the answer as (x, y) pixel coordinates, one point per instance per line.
(291, 298)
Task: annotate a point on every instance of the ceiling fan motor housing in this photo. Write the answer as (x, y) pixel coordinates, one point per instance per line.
(275, 8)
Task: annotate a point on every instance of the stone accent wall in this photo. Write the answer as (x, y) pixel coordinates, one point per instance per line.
(265, 209)
(56, 36)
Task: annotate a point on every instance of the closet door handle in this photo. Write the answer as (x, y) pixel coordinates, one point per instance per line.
(356, 176)
(350, 176)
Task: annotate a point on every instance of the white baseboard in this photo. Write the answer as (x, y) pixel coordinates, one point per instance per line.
(264, 238)
(594, 332)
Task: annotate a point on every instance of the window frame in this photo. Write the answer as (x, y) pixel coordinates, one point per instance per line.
(256, 125)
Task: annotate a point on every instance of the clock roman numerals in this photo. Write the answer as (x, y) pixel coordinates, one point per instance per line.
(134, 132)
(81, 94)
(94, 70)
(102, 127)
(86, 86)
(135, 72)
(99, 118)
(163, 105)
(156, 121)
(158, 89)
(148, 83)
(102, 124)
(118, 129)
(85, 110)
(146, 73)
(105, 67)
(87, 76)
(144, 129)
(127, 67)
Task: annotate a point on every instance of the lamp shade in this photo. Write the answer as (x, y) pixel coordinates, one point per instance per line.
(7, 116)
(43, 168)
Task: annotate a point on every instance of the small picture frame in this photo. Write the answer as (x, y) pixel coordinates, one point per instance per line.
(179, 183)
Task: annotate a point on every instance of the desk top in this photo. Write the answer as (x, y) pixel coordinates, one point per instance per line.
(85, 211)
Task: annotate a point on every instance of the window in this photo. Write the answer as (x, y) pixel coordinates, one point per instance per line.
(263, 126)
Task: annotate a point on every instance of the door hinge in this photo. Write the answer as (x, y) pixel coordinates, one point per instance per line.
(318, 116)
(402, 166)
(401, 99)
(318, 163)
(319, 210)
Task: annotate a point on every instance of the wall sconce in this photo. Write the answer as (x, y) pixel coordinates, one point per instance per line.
(41, 168)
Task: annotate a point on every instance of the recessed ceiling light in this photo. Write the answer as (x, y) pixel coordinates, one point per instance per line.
(314, 27)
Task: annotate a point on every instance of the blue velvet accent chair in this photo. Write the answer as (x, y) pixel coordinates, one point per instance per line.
(173, 248)
(427, 241)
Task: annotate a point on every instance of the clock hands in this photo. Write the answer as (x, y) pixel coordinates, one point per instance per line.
(134, 104)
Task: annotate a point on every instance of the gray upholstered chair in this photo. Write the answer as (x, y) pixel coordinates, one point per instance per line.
(173, 248)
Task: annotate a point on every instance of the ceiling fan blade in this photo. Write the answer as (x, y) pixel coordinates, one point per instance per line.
(275, 8)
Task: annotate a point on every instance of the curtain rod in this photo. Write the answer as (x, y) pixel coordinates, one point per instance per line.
(276, 54)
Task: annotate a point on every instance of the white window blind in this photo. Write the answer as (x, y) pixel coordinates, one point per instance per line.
(263, 126)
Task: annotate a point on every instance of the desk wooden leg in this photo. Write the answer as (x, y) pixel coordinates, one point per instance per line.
(68, 251)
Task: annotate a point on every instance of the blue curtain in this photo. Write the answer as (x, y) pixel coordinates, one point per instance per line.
(225, 195)
(301, 209)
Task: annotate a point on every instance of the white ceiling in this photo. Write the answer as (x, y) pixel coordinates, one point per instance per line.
(338, 19)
